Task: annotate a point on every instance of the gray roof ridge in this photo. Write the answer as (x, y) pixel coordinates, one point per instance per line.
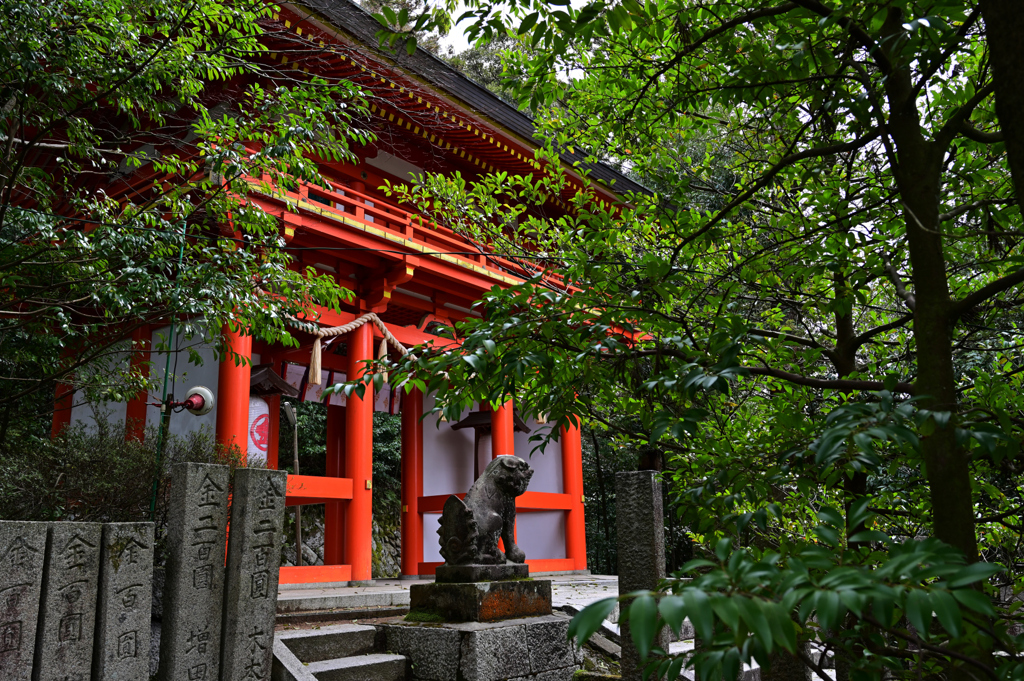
(351, 18)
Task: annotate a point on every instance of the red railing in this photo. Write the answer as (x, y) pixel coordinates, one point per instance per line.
(379, 213)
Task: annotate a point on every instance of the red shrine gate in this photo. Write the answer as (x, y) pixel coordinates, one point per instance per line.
(428, 118)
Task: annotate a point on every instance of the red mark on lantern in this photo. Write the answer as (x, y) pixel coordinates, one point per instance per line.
(260, 432)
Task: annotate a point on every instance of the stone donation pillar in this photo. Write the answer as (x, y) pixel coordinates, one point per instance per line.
(640, 527)
(197, 520)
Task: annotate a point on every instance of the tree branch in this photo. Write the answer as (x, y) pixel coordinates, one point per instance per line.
(856, 30)
(901, 290)
(827, 384)
(956, 122)
(972, 133)
(960, 210)
(766, 178)
(692, 47)
(985, 292)
(868, 335)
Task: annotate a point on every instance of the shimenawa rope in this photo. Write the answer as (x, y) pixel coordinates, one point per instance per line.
(314, 360)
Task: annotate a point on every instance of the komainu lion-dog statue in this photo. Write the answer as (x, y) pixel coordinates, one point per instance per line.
(470, 529)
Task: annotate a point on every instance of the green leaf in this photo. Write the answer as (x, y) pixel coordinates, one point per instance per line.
(528, 23)
(726, 610)
(975, 572)
(755, 619)
(783, 629)
(918, 610)
(643, 624)
(973, 600)
(673, 611)
(948, 611)
(698, 607)
(871, 535)
(830, 609)
(589, 620)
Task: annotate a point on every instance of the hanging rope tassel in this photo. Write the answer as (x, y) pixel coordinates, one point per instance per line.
(382, 353)
(389, 339)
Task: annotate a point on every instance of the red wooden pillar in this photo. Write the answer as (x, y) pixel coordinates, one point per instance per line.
(334, 512)
(412, 482)
(135, 410)
(502, 431)
(62, 403)
(233, 392)
(572, 477)
(359, 460)
(503, 442)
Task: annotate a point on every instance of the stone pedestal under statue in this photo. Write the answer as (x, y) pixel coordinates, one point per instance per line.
(484, 619)
(469, 593)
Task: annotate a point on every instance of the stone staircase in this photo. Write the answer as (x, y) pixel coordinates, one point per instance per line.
(339, 652)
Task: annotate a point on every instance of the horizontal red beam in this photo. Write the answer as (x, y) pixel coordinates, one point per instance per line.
(531, 501)
(314, 489)
(315, 574)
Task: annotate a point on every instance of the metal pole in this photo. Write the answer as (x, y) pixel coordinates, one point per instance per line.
(298, 509)
(293, 417)
(165, 410)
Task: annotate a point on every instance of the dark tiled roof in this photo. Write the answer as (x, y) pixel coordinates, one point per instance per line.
(357, 22)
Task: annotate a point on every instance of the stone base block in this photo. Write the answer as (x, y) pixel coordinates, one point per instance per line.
(529, 649)
(448, 574)
(482, 601)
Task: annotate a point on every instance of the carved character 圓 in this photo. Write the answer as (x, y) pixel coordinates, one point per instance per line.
(470, 529)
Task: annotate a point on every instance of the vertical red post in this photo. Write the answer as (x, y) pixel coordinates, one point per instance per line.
(502, 431)
(359, 460)
(135, 410)
(572, 477)
(233, 392)
(334, 512)
(412, 482)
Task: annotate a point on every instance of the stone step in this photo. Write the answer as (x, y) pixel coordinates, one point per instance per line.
(375, 667)
(347, 614)
(328, 643)
(307, 600)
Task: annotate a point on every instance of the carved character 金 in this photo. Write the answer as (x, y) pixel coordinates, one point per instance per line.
(470, 529)
(20, 554)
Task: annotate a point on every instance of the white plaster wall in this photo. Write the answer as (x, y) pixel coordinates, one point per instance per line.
(447, 456)
(547, 465)
(88, 414)
(541, 534)
(184, 375)
(431, 542)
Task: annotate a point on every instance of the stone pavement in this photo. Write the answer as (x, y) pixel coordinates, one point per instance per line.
(573, 590)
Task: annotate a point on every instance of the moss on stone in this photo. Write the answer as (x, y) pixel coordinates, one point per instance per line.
(424, 616)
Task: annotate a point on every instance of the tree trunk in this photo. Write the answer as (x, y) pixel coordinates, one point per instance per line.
(1004, 30)
(918, 175)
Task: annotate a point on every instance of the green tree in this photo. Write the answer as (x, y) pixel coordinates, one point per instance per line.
(132, 135)
(768, 331)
